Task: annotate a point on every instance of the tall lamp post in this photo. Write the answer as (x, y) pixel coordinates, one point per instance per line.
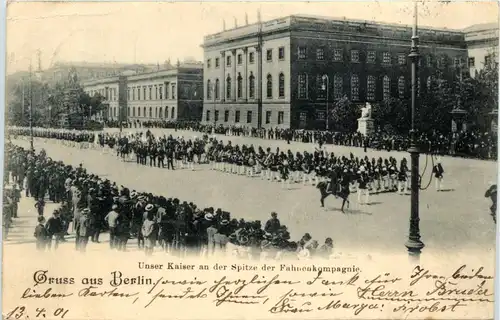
(325, 78)
(31, 112)
(414, 244)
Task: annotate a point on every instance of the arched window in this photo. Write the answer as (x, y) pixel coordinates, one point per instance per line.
(172, 113)
(429, 83)
(354, 87)
(269, 91)
(251, 89)
(240, 85)
(281, 86)
(228, 87)
(370, 88)
(150, 112)
(401, 86)
(209, 89)
(128, 111)
(156, 112)
(166, 112)
(338, 83)
(144, 114)
(133, 112)
(138, 111)
(386, 83)
(217, 89)
(160, 113)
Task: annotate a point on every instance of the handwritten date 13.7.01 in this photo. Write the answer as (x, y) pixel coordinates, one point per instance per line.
(21, 312)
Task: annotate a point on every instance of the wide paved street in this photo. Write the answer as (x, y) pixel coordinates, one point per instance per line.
(451, 221)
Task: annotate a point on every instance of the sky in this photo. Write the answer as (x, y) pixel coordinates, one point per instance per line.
(152, 32)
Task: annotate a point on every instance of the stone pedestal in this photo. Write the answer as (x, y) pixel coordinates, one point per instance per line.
(366, 126)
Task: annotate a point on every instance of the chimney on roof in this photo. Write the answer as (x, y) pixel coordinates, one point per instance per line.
(224, 24)
(235, 23)
(246, 18)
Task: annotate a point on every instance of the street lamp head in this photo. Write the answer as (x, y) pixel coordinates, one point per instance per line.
(325, 77)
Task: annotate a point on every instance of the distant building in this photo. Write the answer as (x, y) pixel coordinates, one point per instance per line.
(91, 71)
(282, 73)
(482, 46)
(169, 95)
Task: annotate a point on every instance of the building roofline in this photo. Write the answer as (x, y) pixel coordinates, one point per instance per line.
(144, 75)
(372, 22)
(327, 19)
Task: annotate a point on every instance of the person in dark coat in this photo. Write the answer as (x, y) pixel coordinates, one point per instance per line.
(492, 194)
(84, 229)
(41, 234)
(273, 224)
(438, 172)
(54, 228)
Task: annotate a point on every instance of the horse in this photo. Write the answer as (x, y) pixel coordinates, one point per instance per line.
(322, 186)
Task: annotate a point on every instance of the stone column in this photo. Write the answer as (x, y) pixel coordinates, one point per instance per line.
(233, 75)
(244, 90)
(222, 94)
(258, 76)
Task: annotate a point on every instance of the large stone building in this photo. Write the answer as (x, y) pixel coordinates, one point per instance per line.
(284, 72)
(482, 46)
(167, 95)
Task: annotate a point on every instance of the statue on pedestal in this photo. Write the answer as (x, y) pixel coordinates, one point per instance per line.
(365, 122)
(366, 112)
(73, 78)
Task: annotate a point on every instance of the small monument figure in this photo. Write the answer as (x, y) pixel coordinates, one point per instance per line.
(366, 112)
(73, 77)
(365, 122)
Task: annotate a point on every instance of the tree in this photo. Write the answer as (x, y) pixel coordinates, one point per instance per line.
(392, 116)
(486, 94)
(344, 115)
(22, 95)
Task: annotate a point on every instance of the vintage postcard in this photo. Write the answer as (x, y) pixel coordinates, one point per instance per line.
(260, 160)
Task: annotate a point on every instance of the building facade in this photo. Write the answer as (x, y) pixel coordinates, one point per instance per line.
(482, 46)
(287, 72)
(109, 89)
(165, 95)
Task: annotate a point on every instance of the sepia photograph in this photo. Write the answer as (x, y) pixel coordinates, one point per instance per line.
(250, 160)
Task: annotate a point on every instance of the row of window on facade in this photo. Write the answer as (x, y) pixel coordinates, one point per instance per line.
(213, 91)
(146, 92)
(249, 119)
(109, 94)
(338, 55)
(488, 59)
(322, 84)
(159, 113)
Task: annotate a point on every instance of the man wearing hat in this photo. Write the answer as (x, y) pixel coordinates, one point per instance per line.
(211, 230)
(149, 231)
(363, 186)
(438, 174)
(273, 224)
(54, 228)
(148, 209)
(84, 229)
(111, 220)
